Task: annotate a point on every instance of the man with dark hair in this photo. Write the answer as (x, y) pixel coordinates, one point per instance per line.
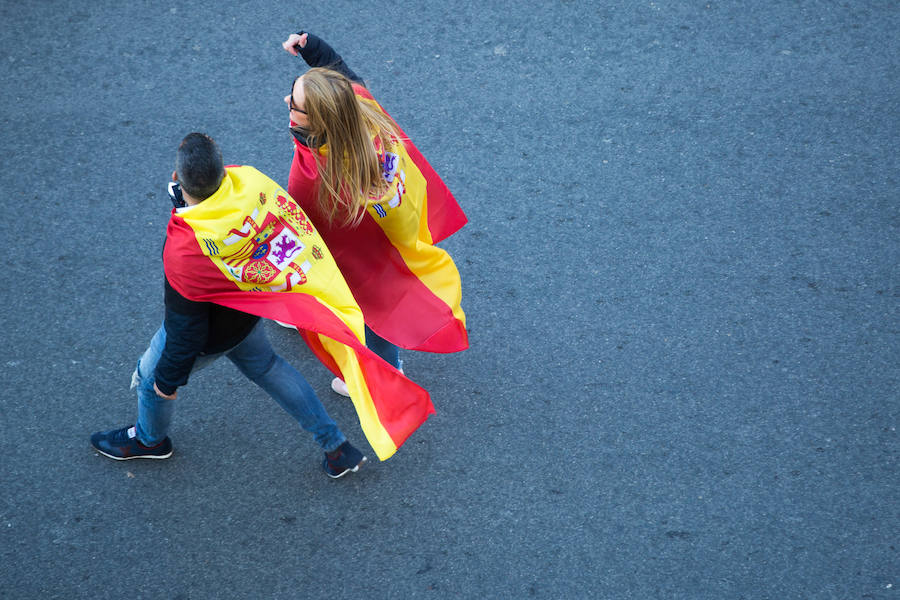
(199, 167)
(196, 332)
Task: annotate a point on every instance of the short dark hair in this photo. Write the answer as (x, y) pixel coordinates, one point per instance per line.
(199, 165)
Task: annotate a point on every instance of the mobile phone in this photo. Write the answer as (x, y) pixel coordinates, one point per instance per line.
(175, 195)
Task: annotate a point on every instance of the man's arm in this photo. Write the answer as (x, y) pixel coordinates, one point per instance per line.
(187, 329)
(317, 53)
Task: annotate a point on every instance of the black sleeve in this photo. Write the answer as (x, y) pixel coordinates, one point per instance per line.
(187, 328)
(318, 53)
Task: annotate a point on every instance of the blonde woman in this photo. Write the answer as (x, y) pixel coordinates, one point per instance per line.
(379, 206)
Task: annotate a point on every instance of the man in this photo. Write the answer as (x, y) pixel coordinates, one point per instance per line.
(196, 332)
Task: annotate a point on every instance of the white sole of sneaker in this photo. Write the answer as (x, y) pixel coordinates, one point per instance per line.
(353, 470)
(161, 456)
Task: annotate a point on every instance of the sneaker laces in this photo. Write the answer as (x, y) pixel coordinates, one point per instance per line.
(125, 435)
(120, 436)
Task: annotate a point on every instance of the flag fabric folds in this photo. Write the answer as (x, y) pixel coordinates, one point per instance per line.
(250, 247)
(408, 288)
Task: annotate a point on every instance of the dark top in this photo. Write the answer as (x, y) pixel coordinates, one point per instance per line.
(194, 329)
(318, 53)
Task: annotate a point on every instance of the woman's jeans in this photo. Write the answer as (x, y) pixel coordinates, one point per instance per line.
(256, 359)
(383, 348)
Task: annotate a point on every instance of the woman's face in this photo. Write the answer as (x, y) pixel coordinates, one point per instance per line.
(295, 102)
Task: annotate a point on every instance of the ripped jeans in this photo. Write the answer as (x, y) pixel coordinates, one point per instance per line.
(256, 359)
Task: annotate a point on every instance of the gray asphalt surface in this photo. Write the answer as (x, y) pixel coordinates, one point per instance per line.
(680, 276)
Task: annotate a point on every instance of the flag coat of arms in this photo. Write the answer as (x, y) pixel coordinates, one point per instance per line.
(251, 247)
(408, 288)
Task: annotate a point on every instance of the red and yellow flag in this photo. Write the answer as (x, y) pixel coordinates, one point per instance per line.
(250, 247)
(408, 288)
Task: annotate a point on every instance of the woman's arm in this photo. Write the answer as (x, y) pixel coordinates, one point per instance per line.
(317, 53)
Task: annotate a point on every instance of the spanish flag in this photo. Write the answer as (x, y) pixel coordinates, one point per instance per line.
(250, 247)
(408, 288)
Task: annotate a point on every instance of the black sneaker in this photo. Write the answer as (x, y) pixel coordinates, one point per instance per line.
(122, 444)
(344, 460)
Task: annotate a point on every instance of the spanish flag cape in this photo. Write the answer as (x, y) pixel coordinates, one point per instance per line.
(409, 289)
(251, 248)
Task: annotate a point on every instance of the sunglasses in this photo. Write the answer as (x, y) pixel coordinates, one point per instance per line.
(291, 99)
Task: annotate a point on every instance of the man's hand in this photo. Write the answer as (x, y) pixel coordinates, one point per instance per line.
(161, 395)
(294, 40)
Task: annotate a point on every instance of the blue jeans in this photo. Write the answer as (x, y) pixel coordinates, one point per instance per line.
(256, 359)
(383, 348)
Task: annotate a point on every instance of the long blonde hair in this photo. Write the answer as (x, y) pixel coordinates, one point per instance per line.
(345, 124)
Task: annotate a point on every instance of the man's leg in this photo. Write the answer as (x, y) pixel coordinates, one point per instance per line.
(154, 413)
(147, 439)
(257, 360)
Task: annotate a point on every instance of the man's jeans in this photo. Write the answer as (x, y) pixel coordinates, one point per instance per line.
(256, 359)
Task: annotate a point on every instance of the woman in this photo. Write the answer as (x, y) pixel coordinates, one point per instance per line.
(380, 209)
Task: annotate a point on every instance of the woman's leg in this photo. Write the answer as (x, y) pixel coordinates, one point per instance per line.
(383, 348)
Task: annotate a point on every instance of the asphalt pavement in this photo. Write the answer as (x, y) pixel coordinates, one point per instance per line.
(680, 276)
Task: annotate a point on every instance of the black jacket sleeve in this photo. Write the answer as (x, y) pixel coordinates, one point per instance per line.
(187, 329)
(318, 53)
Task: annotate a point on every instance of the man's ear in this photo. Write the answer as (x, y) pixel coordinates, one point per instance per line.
(174, 175)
